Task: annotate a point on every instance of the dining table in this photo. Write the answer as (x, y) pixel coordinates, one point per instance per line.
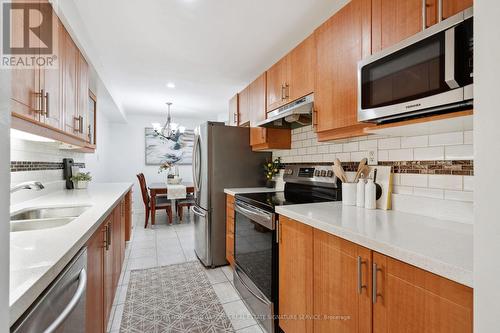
(161, 188)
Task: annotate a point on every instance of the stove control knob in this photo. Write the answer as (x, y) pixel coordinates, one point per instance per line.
(323, 173)
(329, 173)
(316, 173)
(288, 171)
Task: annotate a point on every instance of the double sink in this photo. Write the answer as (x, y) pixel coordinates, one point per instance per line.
(39, 218)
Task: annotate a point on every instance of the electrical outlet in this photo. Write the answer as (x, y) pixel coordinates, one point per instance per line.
(372, 157)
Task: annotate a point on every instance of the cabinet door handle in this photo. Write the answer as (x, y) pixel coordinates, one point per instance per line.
(109, 234)
(47, 105)
(77, 124)
(424, 14)
(81, 124)
(106, 244)
(361, 286)
(287, 91)
(282, 91)
(39, 102)
(375, 293)
(440, 10)
(315, 118)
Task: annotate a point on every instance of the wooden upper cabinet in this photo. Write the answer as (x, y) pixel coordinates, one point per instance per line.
(341, 42)
(293, 76)
(338, 266)
(244, 107)
(258, 135)
(394, 21)
(452, 7)
(70, 82)
(233, 111)
(412, 300)
(295, 275)
(25, 83)
(302, 65)
(83, 97)
(51, 82)
(276, 84)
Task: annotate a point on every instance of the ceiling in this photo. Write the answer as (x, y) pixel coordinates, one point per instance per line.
(210, 49)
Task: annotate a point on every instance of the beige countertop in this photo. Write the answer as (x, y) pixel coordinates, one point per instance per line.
(439, 246)
(38, 256)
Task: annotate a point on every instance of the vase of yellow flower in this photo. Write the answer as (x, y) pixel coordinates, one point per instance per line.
(271, 169)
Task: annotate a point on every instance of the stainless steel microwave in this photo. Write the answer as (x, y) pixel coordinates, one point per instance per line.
(430, 72)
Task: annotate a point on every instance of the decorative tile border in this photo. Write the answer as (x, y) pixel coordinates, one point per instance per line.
(17, 166)
(455, 167)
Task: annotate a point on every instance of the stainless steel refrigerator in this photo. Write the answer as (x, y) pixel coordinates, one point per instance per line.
(222, 158)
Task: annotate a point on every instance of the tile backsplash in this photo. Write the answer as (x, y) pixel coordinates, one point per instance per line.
(433, 166)
(39, 161)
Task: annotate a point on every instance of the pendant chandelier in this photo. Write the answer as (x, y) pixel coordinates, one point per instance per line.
(170, 131)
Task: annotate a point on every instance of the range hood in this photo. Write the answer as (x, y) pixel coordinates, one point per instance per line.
(292, 115)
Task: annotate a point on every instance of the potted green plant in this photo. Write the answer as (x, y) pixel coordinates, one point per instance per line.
(81, 180)
(271, 169)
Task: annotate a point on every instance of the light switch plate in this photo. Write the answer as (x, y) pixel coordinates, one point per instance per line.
(372, 157)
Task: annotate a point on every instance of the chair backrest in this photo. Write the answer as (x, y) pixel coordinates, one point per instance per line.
(144, 189)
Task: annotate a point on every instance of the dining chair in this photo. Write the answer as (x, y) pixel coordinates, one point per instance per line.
(162, 201)
(180, 204)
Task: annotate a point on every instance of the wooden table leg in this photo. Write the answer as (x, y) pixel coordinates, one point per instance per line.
(153, 207)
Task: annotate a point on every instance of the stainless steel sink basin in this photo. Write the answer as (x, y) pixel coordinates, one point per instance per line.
(49, 213)
(27, 225)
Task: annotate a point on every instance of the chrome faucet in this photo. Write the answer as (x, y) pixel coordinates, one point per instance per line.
(27, 186)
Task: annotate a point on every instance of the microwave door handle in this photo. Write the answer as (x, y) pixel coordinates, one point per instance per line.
(449, 58)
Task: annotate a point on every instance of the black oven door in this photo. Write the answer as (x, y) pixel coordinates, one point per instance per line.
(256, 261)
(426, 72)
(254, 243)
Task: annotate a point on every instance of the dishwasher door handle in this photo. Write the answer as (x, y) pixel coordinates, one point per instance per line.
(72, 303)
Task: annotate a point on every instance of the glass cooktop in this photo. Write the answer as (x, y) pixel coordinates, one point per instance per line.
(293, 195)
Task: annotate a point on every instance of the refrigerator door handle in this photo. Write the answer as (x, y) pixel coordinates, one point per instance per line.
(195, 210)
(195, 163)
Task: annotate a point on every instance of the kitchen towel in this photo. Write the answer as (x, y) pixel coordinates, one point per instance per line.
(176, 192)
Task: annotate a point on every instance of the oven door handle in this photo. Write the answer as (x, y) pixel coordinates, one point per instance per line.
(264, 219)
(449, 58)
(248, 288)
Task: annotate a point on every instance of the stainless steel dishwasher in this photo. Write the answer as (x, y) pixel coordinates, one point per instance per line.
(61, 307)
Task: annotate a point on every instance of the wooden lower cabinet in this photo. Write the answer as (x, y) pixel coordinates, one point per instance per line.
(230, 229)
(105, 255)
(295, 276)
(95, 284)
(109, 291)
(330, 280)
(413, 300)
(128, 216)
(337, 266)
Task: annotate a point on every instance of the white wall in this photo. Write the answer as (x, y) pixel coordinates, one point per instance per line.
(487, 153)
(4, 199)
(128, 152)
(99, 163)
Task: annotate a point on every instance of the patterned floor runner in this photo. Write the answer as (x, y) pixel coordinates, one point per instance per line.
(173, 299)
